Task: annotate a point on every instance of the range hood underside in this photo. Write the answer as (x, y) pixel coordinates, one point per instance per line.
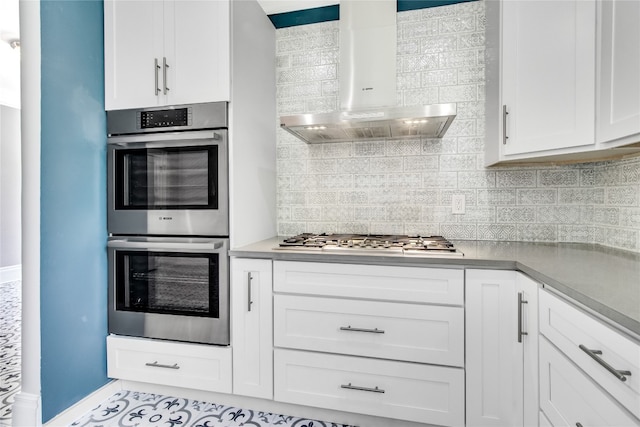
(431, 121)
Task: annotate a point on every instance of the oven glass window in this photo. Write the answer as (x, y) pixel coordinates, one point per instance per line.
(167, 283)
(167, 178)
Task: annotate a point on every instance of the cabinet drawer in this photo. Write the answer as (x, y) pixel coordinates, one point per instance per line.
(569, 398)
(411, 284)
(196, 366)
(569, 328)
(412, 332)
(400, 390)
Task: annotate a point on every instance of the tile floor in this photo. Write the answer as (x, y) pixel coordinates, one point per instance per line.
(129, 408)
(10, 321)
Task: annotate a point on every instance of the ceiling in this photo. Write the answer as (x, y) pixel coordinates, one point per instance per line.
(279, 6)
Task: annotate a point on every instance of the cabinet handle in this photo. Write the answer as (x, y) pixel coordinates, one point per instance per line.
(156, 67)
(249, 302)
(520, 302)
(578, 424)
(621, 375)
(505, 113)
(164, 74)
(369, 389)
(160, 365)
(371, 331)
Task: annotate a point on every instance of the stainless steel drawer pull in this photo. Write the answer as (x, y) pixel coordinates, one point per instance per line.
(371, 331)
(621, 375)
(369, 389)
(160, 365)
(505, 113)
(249, 302)
(156, 68)
(520, 302)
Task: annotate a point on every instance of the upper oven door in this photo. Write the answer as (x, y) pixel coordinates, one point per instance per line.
(169, 184)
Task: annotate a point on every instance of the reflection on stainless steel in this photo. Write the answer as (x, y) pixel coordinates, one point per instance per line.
(368, 244)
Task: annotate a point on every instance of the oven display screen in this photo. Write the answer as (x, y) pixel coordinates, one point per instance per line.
(164, 118)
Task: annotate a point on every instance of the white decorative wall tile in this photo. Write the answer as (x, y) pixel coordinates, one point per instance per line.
(421, 196)
(437, 214)
(456, 24)
(386, 196)
(516, 178)
(420, 163)
(471, 40)
(599, 176)
(341, 181)
(630, 172)
(478, 214)
(459, 231)
(471, 145)
(287, 228)
(471, 109)
(303, 213)
(387, 164)
(299, 90)
(458, 59)
(496, 197)
(440, 180)
(422, 96)
(368, 148)
(353, 228)
(403, 147)
(372, 180)
(444, 145)
(325, 104)
(575, 233)
(531, 196)
(370, 213)
(291, 198)
(457, 162)
(558, 178)
(386, 228)
(516, 214)
(411, 63)
(630, 218)
(320, 166)
(439, 78)
(338, 213)
(468, 75)
(623, 196)
(463, 127)
(537, 233)
(403, 213)
(284, 213)
(438, 44)
(418, 30)
(477, 179)
(459, 93)
(469, 195)
(353, 165)
(322, 198)
(621, 238)
(502, 232)
(409, 81)
(353, 197)
(558, 214)
(584, 196)
(336, 149)
(404, 180)
(606, 215)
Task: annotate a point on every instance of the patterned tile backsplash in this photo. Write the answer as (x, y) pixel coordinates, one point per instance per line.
(406, 186)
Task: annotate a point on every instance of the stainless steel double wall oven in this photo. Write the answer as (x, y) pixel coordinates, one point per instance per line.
(168, 223)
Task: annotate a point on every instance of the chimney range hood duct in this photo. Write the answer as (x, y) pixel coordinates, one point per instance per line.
(368, 85)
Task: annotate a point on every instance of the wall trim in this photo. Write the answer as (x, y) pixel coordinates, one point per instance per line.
(11, 273)
(26, 410)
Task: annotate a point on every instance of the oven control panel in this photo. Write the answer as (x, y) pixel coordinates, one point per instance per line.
(164, 118)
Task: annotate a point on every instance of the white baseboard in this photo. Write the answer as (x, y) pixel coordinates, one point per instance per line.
(71, 414)
(26, 410)
(11, 273)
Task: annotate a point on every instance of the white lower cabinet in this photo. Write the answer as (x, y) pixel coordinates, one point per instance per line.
(195, 366)
(568, 397)
(400, 390)
(501, 349)
(602, 355)
(252, 327)
(378, 340)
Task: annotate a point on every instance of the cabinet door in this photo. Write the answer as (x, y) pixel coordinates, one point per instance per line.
(501, 348)
(133, 42)
(252, 327)
(548, 75)
(619, 72)
(569, 398)
(197, 45)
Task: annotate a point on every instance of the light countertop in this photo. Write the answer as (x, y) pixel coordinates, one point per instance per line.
(603, 279)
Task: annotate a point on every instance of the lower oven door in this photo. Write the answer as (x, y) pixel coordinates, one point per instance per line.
(169, 288)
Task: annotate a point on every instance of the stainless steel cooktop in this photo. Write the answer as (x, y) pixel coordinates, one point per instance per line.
(372, 244)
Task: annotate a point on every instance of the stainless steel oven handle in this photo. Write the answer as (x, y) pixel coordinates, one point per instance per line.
(200, 137)
(208, 246)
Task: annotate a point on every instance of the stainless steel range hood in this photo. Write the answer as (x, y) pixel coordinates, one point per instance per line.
(368, 96)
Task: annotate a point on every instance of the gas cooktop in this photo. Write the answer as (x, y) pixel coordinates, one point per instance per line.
(373, 243)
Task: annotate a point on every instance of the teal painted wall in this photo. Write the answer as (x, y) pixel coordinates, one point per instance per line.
(73, 203)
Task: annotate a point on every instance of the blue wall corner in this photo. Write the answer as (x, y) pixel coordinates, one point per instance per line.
(73, 203)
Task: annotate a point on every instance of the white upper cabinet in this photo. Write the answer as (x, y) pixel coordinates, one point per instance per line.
(540, 77)
(166, 52)
(618, 114)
